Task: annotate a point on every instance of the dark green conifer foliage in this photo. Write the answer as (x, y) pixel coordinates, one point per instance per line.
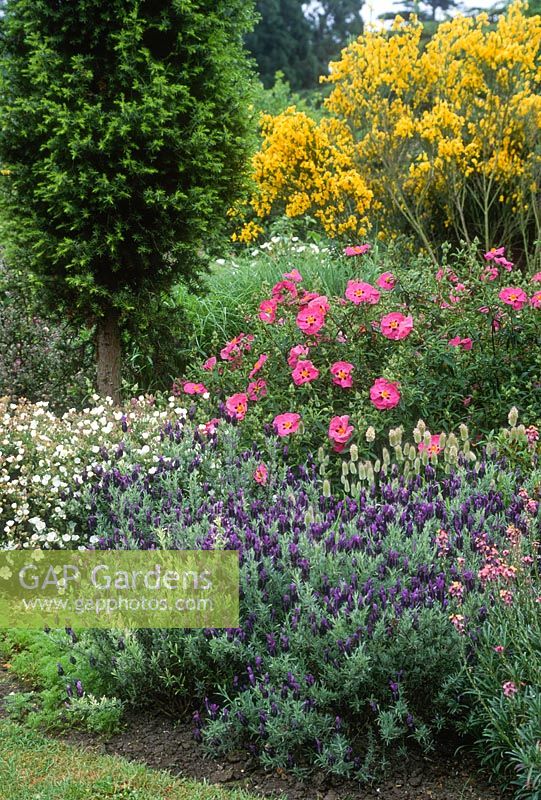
(123, 140)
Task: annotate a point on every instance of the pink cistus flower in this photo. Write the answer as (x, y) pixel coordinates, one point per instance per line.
(267, 310)
(258, 364)
(256, 390)
(464, 344)
(357, 249)
(396, 326)
(261, 474)
(320, 303)
(233, 350)
(286, 424)
(295, 353)
(194, 388)
(360, 292)
(433, 447)
(384, 394)
(535, 300)
(341, 374)
(499, 648)
(304, 372)
(513, 296)
(284, 290)
(237, 405)
(495, 252)
(340, 431)
(490, 274)
(210, 363)
(509, 688)
(211, 426)
(310, 320)
(536, 278)
(294, 275)
(503, 262)
(386, 281)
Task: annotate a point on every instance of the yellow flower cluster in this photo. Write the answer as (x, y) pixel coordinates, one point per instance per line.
(424, 139)
(306, 168)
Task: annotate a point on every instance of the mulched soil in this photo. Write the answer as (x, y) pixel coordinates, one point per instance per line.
(153, 738)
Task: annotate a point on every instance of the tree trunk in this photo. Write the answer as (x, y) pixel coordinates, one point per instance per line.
(109, 352)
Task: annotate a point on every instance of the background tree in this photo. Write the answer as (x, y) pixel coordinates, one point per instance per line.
(334, 23)
(299, 38)
(123, 141)
(282, 42)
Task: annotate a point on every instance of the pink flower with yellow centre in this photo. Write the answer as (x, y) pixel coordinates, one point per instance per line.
(535, 300)
(261, 474)
(295, 353)
(513, 296)
(284, 290)
(320, 303)
(294, 275)
(286, 424)
(310, 320)
(495, 252)
(433, 447)
(396, 326)
(386, 281)
(360, 292)
(237, 405)
(210, 363)
(340, 431)
(267, 310)
(256, 390)
(258, 364)
(341, 372)
(384, 394)
(304, 372)
(194, 388)
(357, 249)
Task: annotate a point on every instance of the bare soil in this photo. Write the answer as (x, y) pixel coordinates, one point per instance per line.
(155, 739)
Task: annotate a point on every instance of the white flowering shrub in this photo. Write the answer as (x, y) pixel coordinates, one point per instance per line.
(43, 456)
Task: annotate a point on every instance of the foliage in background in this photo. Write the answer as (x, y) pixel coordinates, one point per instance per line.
(441, 142)
(40, 358)
(123, 139)
(299, 39)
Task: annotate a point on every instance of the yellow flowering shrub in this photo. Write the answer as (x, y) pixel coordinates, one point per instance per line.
(309, 168)
(441, 140)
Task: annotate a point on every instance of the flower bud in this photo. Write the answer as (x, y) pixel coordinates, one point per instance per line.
(370, 434)
(512, 417)
(354, 452)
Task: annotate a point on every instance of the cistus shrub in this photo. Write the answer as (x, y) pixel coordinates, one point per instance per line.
(449, 345)
(357, 615)
(438, 141)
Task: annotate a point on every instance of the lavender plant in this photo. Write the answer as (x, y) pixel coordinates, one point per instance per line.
(357, 614)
